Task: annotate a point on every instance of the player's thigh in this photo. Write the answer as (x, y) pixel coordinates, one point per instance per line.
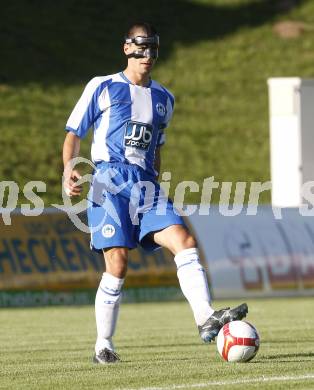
(175, 238)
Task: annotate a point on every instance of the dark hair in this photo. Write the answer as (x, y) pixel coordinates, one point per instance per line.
(147, 27)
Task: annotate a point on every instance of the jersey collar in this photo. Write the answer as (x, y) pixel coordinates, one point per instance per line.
(130, 82)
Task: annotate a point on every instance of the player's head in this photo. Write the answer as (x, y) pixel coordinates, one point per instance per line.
(141, 45)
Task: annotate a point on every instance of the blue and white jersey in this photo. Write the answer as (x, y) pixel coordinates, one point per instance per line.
(128, 120)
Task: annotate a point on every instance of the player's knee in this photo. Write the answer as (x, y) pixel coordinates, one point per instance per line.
(184, 241)
(116, 260)
(189, 241)
(119, 269)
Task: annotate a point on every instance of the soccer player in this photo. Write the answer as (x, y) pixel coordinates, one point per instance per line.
(129, 113)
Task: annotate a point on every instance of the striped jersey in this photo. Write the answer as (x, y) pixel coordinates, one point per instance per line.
(128, 120)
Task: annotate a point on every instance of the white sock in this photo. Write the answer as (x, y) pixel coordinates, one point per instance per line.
(193, 283)
(106, 310)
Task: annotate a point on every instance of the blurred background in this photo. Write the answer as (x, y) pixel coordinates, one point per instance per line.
(215, 56)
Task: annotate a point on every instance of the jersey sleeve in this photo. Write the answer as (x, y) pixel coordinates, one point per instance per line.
(86, 110)
(169, 112)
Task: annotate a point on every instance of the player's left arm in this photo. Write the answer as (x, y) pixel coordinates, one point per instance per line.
(161, 135)
(157, 162)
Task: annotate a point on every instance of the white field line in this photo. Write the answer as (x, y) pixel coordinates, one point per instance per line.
(226, 383)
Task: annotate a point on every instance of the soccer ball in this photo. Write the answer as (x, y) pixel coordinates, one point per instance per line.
(238, 341)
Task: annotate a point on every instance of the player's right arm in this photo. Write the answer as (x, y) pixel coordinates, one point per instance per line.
(82, 117)
(71, 149)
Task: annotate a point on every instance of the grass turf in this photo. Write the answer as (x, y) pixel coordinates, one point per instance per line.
(51, 348)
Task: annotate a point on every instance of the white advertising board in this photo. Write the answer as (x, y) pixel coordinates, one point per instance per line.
(258, 255)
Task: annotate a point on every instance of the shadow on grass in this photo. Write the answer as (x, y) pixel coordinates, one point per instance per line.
(157, 346)
(281, 341)
(284, 358)
(72, 40)
(160, 360)
(289, 355)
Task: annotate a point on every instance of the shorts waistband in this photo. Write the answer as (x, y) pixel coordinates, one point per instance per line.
(118, 164)
(124, 165)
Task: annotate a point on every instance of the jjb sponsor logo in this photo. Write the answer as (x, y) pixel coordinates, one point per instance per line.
(138, 135)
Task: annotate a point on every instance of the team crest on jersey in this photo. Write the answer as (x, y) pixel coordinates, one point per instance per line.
(138, 135)
(108, 231)
(161, 109)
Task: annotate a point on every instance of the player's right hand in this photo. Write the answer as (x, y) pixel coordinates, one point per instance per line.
(70, 185)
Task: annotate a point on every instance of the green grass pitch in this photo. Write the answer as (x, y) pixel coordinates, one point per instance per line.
(51, 348)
